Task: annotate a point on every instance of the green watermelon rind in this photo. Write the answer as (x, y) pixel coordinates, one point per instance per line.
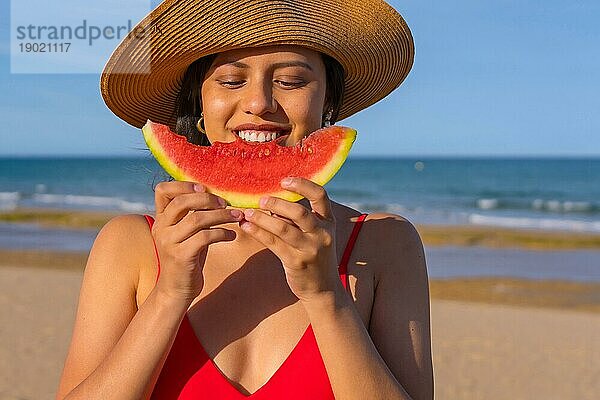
(245, 200)
(160, 154)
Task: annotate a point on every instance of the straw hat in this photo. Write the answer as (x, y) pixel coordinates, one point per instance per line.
(367, 37)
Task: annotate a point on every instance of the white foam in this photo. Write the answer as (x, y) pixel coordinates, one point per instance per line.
(371, 207)
(562, 206)
(10, 196)
(535, 223)
(487, 204)
(537, 204)
(396, 209)
(91, 201)
(9, 201)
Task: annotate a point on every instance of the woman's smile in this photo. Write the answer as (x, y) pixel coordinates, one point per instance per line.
(261, 133)
(264, 95)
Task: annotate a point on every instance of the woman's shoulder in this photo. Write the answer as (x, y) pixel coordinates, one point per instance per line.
(393, 234)
(396, 246)
(126, 242)
(381, 227)
(389, 241)
(125, 231)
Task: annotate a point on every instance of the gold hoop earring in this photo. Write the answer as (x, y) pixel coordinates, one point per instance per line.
(200, 124)
(327, 118)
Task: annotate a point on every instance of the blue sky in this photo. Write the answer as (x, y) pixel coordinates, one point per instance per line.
(491, 78)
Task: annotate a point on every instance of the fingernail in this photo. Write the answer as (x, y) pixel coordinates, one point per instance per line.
(237, 214)
(248, 213)
(222, 202)
(286, 182)
(198, 187)
(263, 201)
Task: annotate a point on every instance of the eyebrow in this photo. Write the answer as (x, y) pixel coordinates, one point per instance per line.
(275, 66)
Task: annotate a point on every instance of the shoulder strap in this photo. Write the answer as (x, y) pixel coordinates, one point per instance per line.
(150, 223)
(343, 267)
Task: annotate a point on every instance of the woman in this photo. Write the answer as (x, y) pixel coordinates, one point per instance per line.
(207, 301)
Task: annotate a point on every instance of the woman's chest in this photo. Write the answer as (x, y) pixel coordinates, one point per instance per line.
(247, 320)
(252, 327)
(252, 286)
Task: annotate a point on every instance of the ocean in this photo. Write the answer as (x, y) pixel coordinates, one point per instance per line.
(551, 194)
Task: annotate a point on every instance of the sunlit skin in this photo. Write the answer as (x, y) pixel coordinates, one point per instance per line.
(279, 85)
(282, 86)
(196, 237)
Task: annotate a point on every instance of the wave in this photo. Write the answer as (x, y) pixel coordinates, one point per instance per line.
(439, 216)
(563, 206)
(535, 223)
(10, 196)
(9, 200)
(488, 204)
(91, 201)
(551, 206)
(376, 207)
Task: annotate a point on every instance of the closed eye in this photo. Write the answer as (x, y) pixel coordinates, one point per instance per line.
(232, 84)
(287, 84)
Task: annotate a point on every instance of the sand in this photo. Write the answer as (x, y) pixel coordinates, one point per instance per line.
(480, 351)
(503, 352)
(37, 310)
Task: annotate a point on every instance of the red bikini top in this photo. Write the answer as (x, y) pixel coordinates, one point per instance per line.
(189, 373)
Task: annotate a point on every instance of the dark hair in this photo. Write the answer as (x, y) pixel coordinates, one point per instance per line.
(189, 99)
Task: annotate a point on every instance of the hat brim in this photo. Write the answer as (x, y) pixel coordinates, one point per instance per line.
(369, 38)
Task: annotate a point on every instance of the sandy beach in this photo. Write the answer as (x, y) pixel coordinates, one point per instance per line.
(494, 337)
(480, 350)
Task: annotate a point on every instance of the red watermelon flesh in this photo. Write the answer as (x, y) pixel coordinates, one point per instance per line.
(242, 172)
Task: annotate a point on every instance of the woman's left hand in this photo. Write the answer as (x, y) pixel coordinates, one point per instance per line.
(303, 239)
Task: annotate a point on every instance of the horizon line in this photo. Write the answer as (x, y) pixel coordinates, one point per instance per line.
(350, 157)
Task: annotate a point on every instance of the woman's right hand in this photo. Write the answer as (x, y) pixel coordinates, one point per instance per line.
(185, 214)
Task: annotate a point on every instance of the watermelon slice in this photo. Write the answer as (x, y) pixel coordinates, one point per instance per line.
(242, 172)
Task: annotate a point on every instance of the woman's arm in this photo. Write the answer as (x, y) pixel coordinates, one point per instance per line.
(392, 360)
(117, 351)
(395, 361)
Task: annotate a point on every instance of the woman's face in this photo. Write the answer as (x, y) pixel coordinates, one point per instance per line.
(258, 93)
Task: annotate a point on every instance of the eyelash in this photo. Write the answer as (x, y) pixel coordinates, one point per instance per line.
(236, 84)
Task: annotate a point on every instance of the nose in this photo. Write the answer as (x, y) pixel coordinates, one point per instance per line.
(258, 99)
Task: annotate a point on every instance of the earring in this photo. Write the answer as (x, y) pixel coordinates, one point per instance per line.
(200, 124)
(327, 118)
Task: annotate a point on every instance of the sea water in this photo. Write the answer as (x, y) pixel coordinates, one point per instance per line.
(552, 194)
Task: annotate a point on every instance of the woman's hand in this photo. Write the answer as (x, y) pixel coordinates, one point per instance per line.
(185, 214)
(303, 239)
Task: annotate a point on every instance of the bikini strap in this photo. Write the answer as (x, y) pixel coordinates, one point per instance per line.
(343, 267)
(150, 223)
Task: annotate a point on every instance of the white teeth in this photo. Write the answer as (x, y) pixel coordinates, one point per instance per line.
(258, 136)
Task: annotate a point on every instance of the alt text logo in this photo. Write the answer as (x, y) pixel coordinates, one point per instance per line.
(71, 36)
